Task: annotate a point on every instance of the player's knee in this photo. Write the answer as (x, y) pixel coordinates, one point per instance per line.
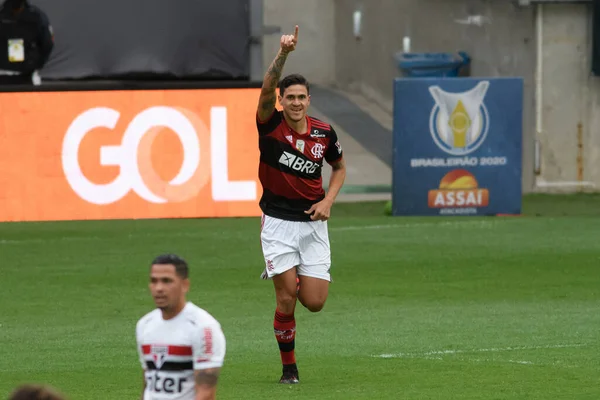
(314, 305)
(286, 302)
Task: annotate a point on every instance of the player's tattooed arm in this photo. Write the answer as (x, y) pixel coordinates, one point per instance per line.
(206, 383)
(207, 377)
(268, 94)
(341, 164)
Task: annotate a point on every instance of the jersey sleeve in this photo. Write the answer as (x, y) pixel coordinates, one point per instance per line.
(208, 347)
(334, 150)
(138, 339)
(270, 124)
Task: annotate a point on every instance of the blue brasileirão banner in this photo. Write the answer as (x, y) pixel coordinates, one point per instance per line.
(457, 146)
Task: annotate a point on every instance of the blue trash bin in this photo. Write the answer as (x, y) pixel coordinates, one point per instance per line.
(417, 65)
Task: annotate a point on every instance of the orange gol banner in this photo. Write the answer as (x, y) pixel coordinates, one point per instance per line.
(128, 154)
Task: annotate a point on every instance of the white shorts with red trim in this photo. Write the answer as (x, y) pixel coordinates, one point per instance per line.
(301, 244)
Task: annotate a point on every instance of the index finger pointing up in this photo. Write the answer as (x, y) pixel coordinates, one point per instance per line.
(296, 33)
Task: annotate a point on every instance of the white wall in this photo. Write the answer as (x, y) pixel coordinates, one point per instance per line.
(504, 45)
(570, 100)
(314, 56)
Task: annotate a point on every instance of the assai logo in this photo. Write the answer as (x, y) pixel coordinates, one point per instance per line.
(458, 189)
(459, 122)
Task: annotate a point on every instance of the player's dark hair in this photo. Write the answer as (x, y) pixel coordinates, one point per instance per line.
(293, 79)
(181, 267)
(35, 392)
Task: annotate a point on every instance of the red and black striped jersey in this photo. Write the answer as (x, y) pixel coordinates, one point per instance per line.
(291, 163)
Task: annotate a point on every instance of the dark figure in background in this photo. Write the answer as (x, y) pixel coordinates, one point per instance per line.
(26, 41)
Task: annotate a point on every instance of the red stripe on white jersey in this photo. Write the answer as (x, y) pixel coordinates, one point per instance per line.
(172, 350)
(180, 350)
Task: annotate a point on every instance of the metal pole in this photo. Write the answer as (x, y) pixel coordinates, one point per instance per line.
(255, 42)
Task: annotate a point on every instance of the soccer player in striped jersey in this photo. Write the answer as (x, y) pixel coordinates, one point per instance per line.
(181, 346)
(294, 234)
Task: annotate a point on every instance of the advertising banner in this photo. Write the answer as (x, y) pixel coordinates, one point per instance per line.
(457, 146)
(128, 154)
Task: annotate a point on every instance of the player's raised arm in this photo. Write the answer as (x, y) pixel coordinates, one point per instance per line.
(268, 94)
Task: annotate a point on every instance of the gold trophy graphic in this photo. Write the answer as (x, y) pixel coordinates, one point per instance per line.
(460, 110)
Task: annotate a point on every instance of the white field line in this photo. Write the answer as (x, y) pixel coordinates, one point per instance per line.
(412, 225)
(191, 234)
(219, 235)
(488, 350)
(52, 240)
(521, 362)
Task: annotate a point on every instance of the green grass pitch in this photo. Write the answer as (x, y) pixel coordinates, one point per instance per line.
(420, 308)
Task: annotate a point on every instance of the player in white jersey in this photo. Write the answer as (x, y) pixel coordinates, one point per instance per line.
(181, 346)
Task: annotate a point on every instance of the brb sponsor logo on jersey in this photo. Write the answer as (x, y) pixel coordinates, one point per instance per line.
(298, 163)
(205, 157)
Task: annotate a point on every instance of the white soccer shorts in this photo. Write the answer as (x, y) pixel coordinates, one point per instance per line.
(287, 244)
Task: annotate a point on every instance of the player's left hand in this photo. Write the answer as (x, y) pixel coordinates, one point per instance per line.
(320, 211)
